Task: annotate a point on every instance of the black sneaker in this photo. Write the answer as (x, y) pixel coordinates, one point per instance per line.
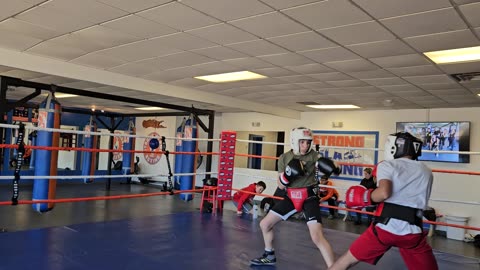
(268, 258)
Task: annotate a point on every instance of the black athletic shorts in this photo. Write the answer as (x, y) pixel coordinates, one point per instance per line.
(311, 207)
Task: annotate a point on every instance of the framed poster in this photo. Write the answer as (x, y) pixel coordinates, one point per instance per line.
(348, 147)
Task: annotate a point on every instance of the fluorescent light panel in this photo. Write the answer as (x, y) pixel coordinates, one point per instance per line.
(231, 77)
(346, 106)
(61, 95)
(470, 54)
(149, 108)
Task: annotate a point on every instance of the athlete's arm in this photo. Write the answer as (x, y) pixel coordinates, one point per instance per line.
(383, 191)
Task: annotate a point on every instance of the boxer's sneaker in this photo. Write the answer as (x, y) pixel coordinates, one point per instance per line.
(268, 258)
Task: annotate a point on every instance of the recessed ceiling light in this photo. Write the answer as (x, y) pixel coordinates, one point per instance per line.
(149, 108)
(346, 106)
(231, 77)
(469, 54)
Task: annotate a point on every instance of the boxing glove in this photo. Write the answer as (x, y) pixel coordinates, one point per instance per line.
(358, 197)
(293, 171)
(326, 166)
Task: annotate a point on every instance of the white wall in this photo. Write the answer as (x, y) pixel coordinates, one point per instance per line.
(456, 187)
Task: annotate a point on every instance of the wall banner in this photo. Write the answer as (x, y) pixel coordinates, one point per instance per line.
(346, 147)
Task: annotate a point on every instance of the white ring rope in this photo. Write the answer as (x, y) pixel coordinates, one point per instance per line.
(25, 177)
(103, 133)
(249, 141)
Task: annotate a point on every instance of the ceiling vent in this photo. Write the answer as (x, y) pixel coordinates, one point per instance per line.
(465, 77)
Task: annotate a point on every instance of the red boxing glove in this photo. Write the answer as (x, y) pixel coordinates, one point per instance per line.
(358, 197)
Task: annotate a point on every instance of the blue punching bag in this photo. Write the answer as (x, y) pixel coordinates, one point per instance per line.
(46, 160)
(88, 158)
(188, 160)
(178, 157)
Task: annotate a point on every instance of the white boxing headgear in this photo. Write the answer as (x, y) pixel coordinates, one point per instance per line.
(402, 144)
(297, 134)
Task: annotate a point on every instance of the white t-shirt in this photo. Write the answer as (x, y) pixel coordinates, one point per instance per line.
(412, 185)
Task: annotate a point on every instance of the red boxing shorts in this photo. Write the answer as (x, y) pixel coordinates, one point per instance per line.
(298, 196)
(414, 249)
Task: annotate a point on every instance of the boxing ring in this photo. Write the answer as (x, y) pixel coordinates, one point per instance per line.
(171, 234)
(139, 227)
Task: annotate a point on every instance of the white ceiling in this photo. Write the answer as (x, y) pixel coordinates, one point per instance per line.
(360, 52)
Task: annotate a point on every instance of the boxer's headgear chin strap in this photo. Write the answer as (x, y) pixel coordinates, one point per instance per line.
(402, 144)
(297, 134)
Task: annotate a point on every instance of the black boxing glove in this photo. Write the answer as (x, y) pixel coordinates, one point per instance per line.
(326, 166)
(293, 171)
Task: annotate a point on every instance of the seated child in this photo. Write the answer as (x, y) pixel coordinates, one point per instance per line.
(244, 201)
(328, 194)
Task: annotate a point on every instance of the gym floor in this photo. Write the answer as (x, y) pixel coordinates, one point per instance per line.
(153, 220)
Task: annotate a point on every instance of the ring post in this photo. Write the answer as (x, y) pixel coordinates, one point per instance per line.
(225, 166)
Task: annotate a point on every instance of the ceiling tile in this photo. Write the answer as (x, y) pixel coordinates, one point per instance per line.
(416, 70)
(303, 41)
(27, 29)
(220, 53)
(248, 63)
(392, 8)
(178, 16)
(385, 81)
(296, 79)
(282, 4)
(286, 59)
(10, 8)
(381, 48)
(400, 88)
(352, 65)
(97, 60)
(313, 85)
(53, 19)
(257, 47)
(331, 76)
(140, 50)
(5, 69)
(181, 59)
(183, 41)
(327, 14)
(269, 25)
(437, 21)
(227, 10)
(15, 41)
(443, 41)
(330, 54)
(471, 12)
(439, 86)
(56, 50)
(309, 68)
(101, 36)
(358, 33)
(274, 72)
(401, 61)
(346, 83)
(428, 79)
(82, 85)
(133, 69)
(447, 92)
(92, 10)
(134, 6)
(189, 82)
(222, 34)
(139, 27)
(371, 74)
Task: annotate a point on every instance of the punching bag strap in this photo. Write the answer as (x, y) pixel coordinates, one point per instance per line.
(18, 166)
(170, 174)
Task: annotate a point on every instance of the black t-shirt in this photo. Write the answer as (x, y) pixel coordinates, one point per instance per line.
(368, 183)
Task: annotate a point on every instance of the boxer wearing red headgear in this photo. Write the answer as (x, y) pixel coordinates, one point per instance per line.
(399, 220)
